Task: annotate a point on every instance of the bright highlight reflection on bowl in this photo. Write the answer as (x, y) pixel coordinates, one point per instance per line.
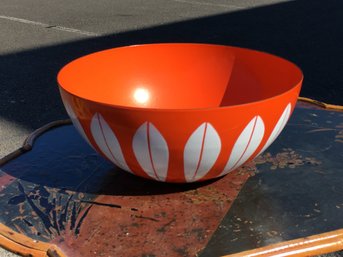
(141, 96)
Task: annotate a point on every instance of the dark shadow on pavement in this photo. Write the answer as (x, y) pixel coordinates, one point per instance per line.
(307, 33)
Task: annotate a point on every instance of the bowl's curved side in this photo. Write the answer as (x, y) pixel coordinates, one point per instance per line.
(181, 146)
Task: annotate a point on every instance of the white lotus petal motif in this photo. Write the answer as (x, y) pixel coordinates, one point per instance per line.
(201, 152)
(151, 151)
(278, 127)
(76, 122)
(107, 141)
(246, 144)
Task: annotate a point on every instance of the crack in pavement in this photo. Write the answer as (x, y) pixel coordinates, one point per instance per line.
(48, 26)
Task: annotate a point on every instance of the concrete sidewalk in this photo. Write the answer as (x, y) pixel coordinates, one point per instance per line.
(39, 36)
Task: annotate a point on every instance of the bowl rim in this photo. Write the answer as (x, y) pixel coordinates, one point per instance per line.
(154, 109)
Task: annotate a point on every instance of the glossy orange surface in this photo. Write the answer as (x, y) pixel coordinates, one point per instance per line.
(179, 112)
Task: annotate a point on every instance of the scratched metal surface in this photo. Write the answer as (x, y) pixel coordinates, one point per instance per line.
(41, 194)
(64, 193)
(297, 190)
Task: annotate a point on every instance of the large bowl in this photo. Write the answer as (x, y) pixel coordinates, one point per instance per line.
(179, 112)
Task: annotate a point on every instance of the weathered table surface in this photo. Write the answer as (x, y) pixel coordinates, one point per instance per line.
(63, 198)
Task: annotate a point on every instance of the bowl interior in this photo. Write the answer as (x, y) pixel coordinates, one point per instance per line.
(178, 76)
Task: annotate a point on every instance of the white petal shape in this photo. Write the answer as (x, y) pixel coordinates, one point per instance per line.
(201, 152)
(151, 151)
(246, 144)
(278, 127)
(76, 122)
(107, 141)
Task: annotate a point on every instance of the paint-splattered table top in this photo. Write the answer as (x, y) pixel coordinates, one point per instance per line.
(61, 198)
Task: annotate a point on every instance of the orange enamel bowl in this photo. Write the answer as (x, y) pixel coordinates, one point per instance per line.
(179, 112)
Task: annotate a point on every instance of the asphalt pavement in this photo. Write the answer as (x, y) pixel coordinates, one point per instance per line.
(38, 37)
